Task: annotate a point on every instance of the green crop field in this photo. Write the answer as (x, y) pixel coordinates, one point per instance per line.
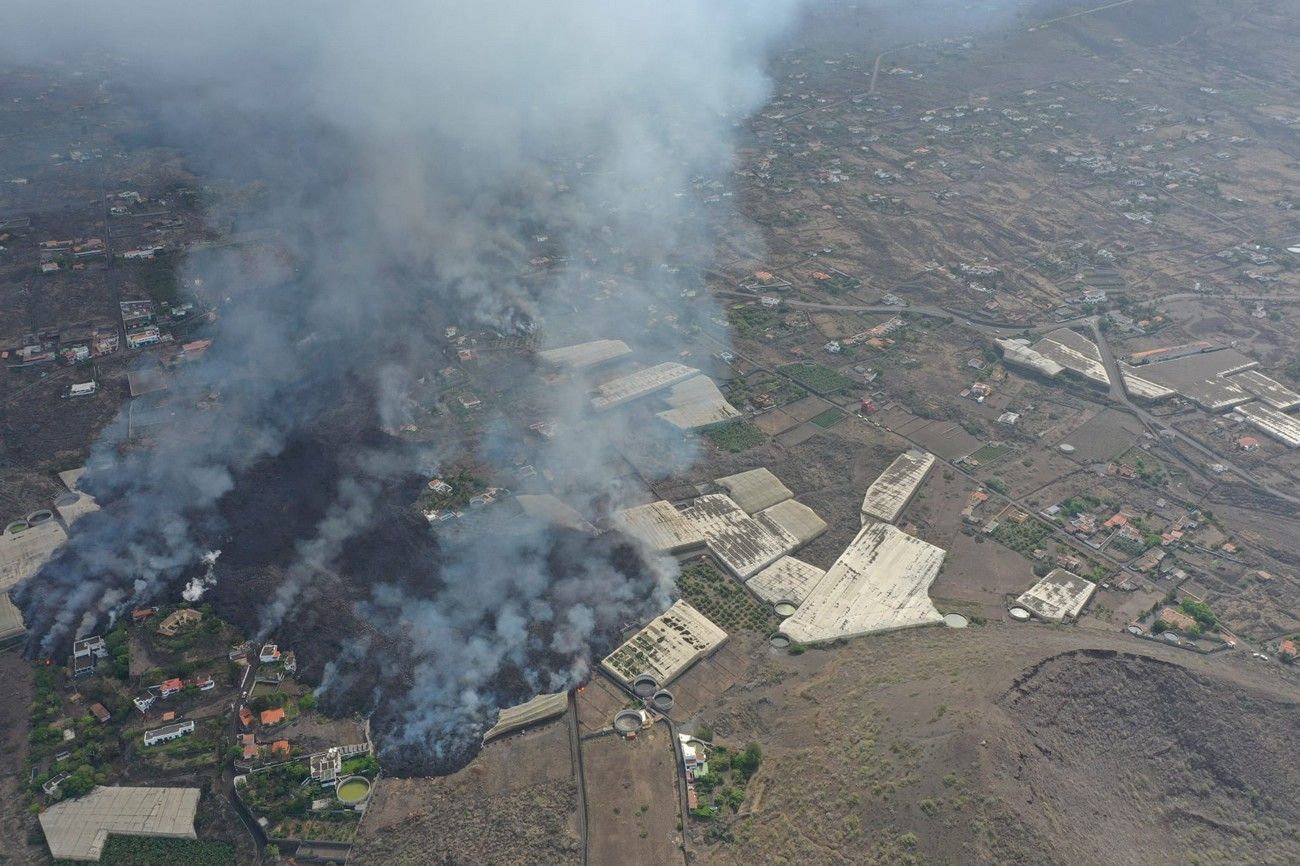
(817, 378)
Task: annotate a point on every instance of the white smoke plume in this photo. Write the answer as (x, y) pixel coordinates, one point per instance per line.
(408, 157)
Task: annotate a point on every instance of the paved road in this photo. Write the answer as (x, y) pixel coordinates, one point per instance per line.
(997, 329)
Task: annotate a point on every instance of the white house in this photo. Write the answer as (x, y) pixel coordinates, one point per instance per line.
(168, 732)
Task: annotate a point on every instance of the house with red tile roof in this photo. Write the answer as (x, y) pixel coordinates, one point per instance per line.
(272, 717)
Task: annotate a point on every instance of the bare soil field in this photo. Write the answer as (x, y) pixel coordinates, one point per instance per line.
(1012, 744)
(515, 804)
(632, 801)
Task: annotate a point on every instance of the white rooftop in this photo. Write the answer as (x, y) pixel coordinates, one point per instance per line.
(624, 389)
(795, 519)
(1281, 426)
(1271, 391)
(1018, 351)
(1075, 353)
(889, 494)
(78, 829)
(583, 355)
(11, 619)
(23, 552)
(1138, 386)
(881, 582)
(755, 490)
(696, 403)
(660, 526)
(1058, 596)
(787, 579)
(742, 543)
(667, 646)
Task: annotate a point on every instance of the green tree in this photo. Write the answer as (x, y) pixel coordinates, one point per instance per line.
(746, 763)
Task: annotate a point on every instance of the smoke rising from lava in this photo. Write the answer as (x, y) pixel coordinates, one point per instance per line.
(408, 159)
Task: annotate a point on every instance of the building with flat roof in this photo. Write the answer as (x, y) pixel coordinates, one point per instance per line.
(660, 527)
(166, 733)
(1141, 387)
(24, 548)
(695, 404)
(1279, 425)
(755, 490)
(1058, 596)
(881, 582)
(1271, 391)
(795, 519)
(1205, 378)
(889, 494)
(78, 829)
(788, 579)
(584, 355)
(742, 543)
(1059, 351)
(540, 709)
(642, 383)
(74, 504)
(11, 619)
(666, 647)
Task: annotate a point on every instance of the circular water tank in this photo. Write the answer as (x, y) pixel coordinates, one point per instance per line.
(644, 686)
(1295, 250)
(1066, 448)
(1019, 614)
(662, 700)
(1133, 629)
(955, 620)
(16, 527)
(785, 608)
(38, 517)
(627, 721)
(779, 640)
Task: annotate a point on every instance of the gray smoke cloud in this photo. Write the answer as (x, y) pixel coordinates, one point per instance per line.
(408, 158)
